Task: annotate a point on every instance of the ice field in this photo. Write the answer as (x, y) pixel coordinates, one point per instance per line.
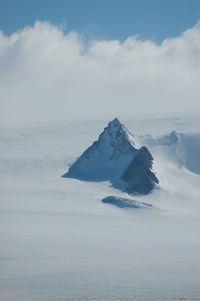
(60, 242)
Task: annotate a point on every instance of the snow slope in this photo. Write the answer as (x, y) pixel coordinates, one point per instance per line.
(60, 242)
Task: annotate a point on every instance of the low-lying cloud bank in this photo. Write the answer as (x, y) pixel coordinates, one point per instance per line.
(48, 75)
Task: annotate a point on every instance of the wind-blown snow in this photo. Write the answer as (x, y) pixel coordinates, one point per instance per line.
(183, 149)
(60, 242)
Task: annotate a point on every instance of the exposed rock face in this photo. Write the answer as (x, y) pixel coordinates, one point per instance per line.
(113, 157)
(138, 174)
(125, 203)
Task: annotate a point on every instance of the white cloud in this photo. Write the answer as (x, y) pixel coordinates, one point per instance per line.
(48, 75)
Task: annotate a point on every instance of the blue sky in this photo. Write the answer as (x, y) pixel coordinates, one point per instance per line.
(105, 19)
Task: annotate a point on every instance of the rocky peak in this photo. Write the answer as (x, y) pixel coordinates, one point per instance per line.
(117, 134)
(107, 156)
(114, 158)
(114, 123)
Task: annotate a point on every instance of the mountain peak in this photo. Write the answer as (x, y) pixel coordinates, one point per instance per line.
(107, 156)
(116, 131)
(115, 126)
(114, 158)
(115, 122)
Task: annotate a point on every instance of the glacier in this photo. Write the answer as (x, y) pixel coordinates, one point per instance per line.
(59, 241)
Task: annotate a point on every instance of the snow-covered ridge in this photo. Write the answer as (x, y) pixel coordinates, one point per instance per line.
(181, 148)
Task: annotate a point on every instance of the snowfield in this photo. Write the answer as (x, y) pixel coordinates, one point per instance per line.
(59, 241)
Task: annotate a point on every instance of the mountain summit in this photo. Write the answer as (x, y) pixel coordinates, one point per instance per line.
(108, 158)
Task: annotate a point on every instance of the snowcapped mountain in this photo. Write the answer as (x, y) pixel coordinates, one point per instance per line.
(107, 157)
(114, 157)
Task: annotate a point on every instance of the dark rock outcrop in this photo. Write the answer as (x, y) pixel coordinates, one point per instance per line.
(125, 203)
(138, 174)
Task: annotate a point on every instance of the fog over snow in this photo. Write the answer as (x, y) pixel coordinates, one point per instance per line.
(46, 74)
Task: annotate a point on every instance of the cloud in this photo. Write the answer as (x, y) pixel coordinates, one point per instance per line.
(48, 75)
